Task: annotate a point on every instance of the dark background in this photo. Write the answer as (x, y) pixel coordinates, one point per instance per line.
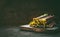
(19, 12)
